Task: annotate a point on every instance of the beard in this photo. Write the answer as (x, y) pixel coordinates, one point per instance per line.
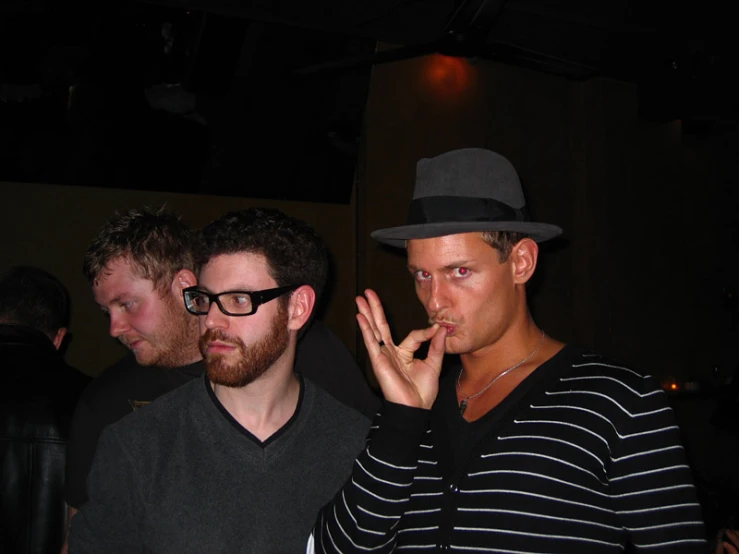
(251, 362)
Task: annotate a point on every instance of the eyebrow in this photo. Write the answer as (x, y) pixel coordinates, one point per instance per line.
(206, 289)
(453, 265)
(116, 300)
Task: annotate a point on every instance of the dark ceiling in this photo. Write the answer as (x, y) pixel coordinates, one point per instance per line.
(624, 39)
(292, 76)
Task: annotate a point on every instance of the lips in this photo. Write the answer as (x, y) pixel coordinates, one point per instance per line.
(450, 327)
(132, 344)
(218, 347)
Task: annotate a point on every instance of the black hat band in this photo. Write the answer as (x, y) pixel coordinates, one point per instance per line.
(445, 209)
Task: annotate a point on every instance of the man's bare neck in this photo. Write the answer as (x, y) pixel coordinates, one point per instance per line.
(517, 344)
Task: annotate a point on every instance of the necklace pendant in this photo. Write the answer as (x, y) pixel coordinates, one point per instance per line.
(462, 407)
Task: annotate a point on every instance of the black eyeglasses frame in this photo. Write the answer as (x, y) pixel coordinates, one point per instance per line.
(258, 297)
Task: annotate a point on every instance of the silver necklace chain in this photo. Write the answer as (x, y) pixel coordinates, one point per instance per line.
(463, 403)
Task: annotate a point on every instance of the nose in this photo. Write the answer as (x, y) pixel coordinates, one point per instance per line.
(215, 318)
(118, 325)
(438, 298)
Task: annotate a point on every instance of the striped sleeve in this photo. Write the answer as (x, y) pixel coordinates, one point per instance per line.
(364, 515)
(650, 482)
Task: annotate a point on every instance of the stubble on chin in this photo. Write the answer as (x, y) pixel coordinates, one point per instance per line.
(173, 346)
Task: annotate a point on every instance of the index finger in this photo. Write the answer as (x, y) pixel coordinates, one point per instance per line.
(417, 337)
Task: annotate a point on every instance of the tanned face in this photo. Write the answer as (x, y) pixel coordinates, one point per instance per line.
(463, 286)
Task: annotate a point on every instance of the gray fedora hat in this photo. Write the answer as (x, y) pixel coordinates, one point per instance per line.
(464, 191)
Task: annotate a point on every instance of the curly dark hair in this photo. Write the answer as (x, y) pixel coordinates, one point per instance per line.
(503, 241)
(156, 242)
(33, 297)
(295, 254)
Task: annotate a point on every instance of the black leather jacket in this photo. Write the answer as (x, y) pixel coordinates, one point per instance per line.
(38, 392)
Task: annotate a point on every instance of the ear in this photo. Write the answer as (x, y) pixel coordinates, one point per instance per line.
(302, 302)
(183, 278)
(59, 337)
(524, 255)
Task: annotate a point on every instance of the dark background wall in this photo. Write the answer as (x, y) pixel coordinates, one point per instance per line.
(648, 211)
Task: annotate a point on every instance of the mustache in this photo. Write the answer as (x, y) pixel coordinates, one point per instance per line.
(213, 335)
(443, 320)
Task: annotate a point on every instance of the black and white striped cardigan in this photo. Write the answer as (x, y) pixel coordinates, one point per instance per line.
(588, 460)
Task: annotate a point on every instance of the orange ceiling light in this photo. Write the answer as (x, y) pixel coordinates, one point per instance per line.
(448, 76)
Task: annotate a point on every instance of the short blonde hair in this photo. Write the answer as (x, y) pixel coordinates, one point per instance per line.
(503, 241)
(156, 243)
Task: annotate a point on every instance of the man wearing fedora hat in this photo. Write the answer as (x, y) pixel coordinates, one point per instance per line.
(528, 446)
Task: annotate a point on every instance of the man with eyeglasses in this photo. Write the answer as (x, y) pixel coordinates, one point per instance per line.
(137, 264)
(242, 459)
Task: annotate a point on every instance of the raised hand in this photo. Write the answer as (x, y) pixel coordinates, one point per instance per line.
(403, 378)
